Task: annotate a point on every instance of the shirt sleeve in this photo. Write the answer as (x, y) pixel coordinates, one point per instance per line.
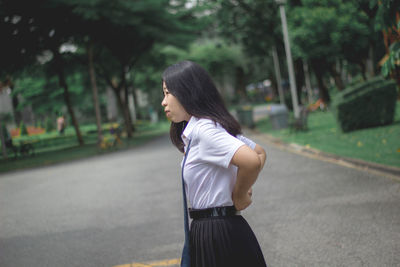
(216, 145)
(250, 143)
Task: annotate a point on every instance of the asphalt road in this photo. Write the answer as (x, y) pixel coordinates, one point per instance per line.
(125, 208)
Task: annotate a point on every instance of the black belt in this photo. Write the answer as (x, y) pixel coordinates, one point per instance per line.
(213, 212)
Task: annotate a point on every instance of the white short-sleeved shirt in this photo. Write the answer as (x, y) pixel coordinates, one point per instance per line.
(209, 176)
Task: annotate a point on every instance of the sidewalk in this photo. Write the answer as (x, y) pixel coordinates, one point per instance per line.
(379, 169)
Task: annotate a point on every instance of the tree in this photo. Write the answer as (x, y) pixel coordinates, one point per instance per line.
(37, 27)
(95, 93)
(255, 25)
(220, 59)
(128, 33)
(129, 29)
(370, 8)
(16, 50)
(388, 20)
(39, 88)
(324, 33)
(4, 135)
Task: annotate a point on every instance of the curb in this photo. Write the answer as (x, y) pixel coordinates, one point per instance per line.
(379, 169)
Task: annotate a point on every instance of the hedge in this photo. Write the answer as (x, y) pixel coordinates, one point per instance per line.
(368, 104)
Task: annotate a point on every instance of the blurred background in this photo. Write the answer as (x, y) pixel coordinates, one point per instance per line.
(84, 77)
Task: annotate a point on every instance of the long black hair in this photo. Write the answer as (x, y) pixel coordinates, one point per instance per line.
(195, 90)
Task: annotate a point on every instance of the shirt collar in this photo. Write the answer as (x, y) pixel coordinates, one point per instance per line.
(186, 135)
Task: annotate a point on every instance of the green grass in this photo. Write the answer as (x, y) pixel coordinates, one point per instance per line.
(69, 149)
(380, 145)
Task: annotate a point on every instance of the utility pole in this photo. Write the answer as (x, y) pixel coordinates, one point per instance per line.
(292, 80)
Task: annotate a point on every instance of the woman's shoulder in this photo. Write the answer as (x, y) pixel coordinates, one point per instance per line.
(197, 126)
(205, 127)
(205, 123)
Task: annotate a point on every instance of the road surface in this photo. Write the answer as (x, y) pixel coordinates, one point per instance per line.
(125, 208)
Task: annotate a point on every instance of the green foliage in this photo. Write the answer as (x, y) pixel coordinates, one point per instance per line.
(387, 21)
(379, 144)
(6, 134)
(254, 24)
(386, 14)
(52, 148)
(49, 125)
(329, 30)
(393, 59)
(42, 92)
(366, 105)
(6, 117)
(39, 91)
(255, 27)
(216, 56)
(39, 124)
(129, 30)
(22, 128)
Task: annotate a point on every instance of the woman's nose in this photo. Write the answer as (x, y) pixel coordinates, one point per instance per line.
(163, 102)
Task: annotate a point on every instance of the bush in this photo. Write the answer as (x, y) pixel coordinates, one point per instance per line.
(359, 87)
(22, 129)
(49, 125)
(39, 124)
(368, 104)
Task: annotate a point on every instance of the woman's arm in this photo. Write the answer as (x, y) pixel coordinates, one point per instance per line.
(250, 163)
(261, 154)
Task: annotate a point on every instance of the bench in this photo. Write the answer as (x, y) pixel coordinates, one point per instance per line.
(23, 149)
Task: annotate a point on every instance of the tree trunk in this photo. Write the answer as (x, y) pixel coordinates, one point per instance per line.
(240, 83)
(125, 106)
(363, 70)
(370, 61)
(135, 103)
(124, 110)
(278, 75)
(337, 78)
(15, 102)
(8, 82)
(323, 91)
(95, 94)
(118, 89)
(298, 68)
(59, 65)
(3, 142)
(126, 98)
(308, 82)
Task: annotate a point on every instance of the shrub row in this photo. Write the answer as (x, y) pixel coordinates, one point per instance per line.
(41, 141)
(368, 104)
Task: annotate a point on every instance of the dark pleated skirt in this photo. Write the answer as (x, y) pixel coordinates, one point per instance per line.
(224, 241)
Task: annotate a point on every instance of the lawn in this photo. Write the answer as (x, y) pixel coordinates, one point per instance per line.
(65, 148)
(380, 145)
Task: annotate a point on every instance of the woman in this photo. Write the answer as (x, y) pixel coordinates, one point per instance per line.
(220, 168)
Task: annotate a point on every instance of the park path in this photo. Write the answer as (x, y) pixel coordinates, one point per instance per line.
(125, 208)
